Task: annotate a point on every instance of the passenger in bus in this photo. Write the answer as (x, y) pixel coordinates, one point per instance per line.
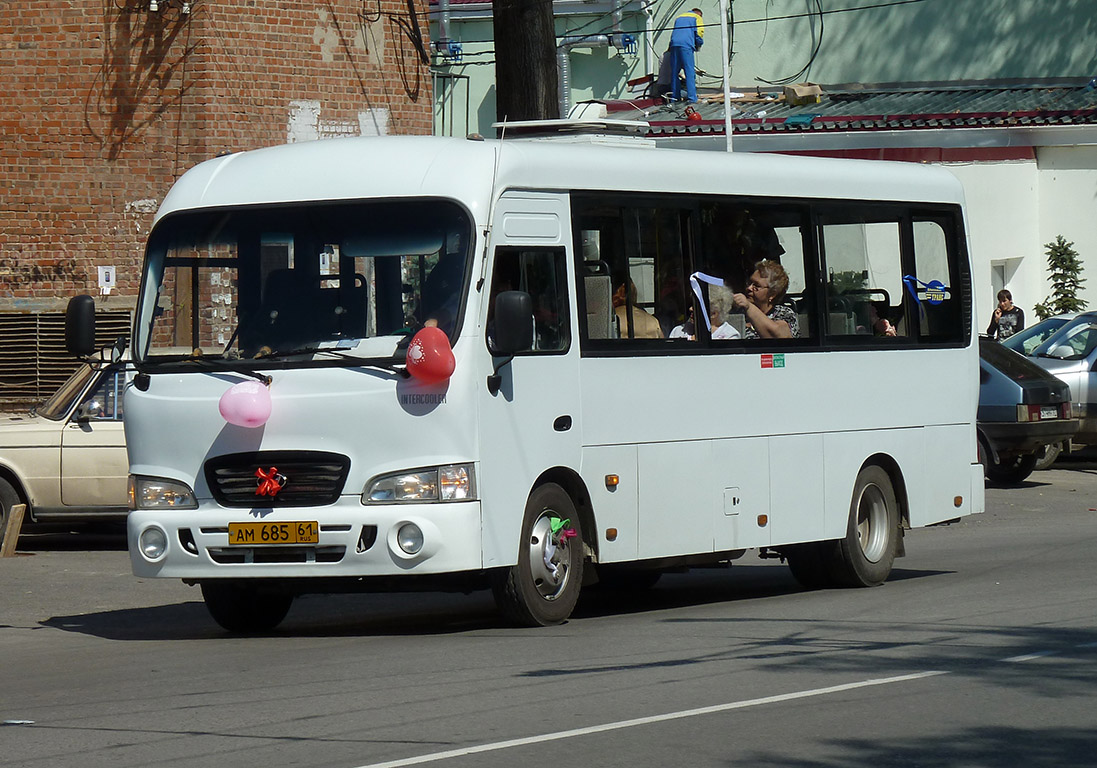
(878, 323)
(767, 317)
(737, 240)
(685, 329)
(721, 328)
(644, 325)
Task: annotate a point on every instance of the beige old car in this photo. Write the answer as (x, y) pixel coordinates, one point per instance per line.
(66, 459)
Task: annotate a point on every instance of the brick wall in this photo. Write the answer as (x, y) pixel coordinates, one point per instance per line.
(104, 104)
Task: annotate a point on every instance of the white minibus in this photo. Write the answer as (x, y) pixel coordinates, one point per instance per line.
(532, 365)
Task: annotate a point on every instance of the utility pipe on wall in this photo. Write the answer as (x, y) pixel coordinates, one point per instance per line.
(618, 38)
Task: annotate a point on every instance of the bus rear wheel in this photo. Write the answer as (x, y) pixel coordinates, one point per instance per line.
(866, 554)
(244, 608)
(542, 589)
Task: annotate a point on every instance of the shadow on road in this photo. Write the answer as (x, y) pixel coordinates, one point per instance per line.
(988, 747)
(61, 537)
(351, 615)
(434, 613)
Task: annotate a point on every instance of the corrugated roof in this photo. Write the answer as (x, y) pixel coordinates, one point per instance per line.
(876, 107)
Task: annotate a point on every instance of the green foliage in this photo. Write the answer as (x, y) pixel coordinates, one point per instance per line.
(850, 280)
(1065, 268)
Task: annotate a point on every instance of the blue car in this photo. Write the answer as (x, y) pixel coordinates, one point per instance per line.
(1022, 408)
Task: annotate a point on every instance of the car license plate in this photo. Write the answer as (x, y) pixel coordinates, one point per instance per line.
(1049, 413)
(249, 534)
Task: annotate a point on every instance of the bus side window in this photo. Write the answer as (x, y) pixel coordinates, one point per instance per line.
(938, 294)
(864, 294)
(735, 236)
(631, 259)
(542, 273)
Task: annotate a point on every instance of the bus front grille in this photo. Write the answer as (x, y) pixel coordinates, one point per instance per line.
(300, 478)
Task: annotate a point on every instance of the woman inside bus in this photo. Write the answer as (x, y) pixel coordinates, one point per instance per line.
(767, 317)
(637, 324)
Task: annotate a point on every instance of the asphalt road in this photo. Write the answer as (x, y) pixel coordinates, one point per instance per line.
(980, 651)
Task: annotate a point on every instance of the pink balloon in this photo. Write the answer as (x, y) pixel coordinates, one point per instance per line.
(430, 358)
(246, 404)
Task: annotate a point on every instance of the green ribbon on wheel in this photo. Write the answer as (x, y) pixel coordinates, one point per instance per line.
(557, 524)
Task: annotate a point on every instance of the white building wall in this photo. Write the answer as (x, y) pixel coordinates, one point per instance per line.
(1003, 220)
(1015, 208)
(1068, 207)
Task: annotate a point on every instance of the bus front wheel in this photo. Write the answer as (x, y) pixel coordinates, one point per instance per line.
(542, 589)
(867, 552)
(244, 608)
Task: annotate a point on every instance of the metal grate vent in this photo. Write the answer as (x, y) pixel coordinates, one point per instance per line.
(312, 478)
(33, 359)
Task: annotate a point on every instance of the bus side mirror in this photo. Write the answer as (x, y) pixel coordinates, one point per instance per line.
(513, 330)
(80, 326)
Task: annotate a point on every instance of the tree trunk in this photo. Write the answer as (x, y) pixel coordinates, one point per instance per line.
(525, 61)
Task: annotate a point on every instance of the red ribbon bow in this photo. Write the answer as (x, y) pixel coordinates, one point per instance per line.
(270, 482)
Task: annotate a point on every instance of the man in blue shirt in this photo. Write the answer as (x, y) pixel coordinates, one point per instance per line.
(686, 38)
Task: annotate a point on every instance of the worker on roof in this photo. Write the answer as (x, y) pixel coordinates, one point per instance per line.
(686, 39)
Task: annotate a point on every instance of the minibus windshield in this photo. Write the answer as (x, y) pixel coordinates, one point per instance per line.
(329, 281)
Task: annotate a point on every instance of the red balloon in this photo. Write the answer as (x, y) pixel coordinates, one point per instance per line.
(430, 358)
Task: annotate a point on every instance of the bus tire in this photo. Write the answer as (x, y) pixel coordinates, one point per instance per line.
(9, 497)
(529, 593)
(812, 564)
(866, 554)
(243, 608)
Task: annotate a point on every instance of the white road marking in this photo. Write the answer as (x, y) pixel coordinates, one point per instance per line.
(558, 735)
(1028, 657)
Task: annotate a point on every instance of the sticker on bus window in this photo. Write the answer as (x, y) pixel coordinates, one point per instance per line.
(935, 291)
(773, 361)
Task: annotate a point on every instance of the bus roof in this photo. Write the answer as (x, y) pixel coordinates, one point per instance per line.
(462, 169)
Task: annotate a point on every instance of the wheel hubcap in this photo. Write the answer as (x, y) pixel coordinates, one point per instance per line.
(872, 523)
(548, 558)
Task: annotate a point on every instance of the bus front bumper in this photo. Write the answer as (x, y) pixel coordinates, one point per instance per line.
(351, 539)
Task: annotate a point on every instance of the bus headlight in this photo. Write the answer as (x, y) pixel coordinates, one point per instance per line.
(153, 543)
(158, 493)
(451, 482)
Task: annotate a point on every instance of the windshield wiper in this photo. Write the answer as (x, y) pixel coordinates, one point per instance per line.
(391, 367)
(209, 365)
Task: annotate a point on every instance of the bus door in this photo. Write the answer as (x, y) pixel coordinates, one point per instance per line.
(532, 423)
